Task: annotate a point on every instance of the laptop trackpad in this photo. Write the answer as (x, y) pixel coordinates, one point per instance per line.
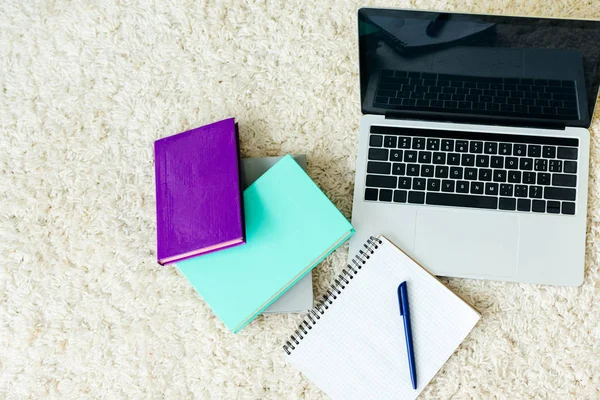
(467, 243)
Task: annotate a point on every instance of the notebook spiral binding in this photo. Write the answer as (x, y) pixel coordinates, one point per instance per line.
(339, 284)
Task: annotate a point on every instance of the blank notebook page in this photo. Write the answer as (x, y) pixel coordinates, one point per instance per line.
(357, 349)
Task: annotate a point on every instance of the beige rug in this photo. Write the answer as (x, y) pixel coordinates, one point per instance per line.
(85, 311)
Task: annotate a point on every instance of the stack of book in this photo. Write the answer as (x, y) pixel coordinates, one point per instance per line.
(245, 233)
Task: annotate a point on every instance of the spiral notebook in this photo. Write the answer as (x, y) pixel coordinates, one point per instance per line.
(352, 344)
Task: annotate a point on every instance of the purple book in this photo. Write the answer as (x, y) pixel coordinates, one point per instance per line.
(198, 192)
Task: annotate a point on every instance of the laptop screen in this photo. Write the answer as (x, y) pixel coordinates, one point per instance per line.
(478, 67)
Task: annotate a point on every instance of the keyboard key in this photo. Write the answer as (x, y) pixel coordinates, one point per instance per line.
(371, 194)
(520, 191)
(379, 167)
(396, 155)
(526, 164)
(410, 156)
(534, 150)
(538, 206)
(535, 192)
(567, 112)
(490, 148)
(390, 141)
(482, 161)
(416, 197)
(506, 189)
(514, 176)
(499, 175)
(543, 178)
(425, 157)
(400, 196)
(419, 183)
(567, 153)
(555, 166)
(570, 167)
(441, 171)
(462, 146)
(439, 158)
(413, 169)
(491, 189)
(553, 207)
(507, 203)
(433, 144)
(381, 101)
(477, 187)
(541, 164)
(564, 180)
(456, 172)
(568, 208)
(418, 143)
(468, 160)
(427, 171)
(382, 181)
(376, 141)
(433, 185)
(505, 149)
(378, 154)
(555, 193)
(476, 147)
(453, 159)
(462, 187)
(524, 205)
(471, 174)
(447, 145)
(549, 152)
(458, 200)
(485, 175)
(399, 169)
(529, 178)
(497, 162)
(404, 182)
(521, 109)
(447, 186)
(404, 142)
(519, 150)
(511, 163)
(385, 195)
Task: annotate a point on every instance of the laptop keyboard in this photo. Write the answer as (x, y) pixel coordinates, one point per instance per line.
(509, 97)
(472, 169)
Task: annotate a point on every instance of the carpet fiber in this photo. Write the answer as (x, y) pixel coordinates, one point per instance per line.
(85, 311)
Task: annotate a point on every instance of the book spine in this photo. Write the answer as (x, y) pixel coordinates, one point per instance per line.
(340, 283)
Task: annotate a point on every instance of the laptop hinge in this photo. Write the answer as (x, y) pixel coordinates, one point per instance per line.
(476, 119)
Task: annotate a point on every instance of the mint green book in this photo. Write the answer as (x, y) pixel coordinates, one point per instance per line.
(291, 226)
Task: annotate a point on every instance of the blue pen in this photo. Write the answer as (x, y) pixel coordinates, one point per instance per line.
(405, 312)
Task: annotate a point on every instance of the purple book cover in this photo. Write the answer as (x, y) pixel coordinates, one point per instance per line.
(198, 192)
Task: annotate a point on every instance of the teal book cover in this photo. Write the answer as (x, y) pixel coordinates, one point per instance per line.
(291, 226)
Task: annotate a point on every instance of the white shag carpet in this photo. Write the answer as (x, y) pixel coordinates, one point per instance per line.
(85, 311)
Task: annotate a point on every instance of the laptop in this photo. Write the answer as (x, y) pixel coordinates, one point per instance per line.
(473, 149)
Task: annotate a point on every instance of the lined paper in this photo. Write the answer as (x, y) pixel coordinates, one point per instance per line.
(357, 350)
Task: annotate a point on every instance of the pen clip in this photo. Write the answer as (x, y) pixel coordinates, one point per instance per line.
(400, 299)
